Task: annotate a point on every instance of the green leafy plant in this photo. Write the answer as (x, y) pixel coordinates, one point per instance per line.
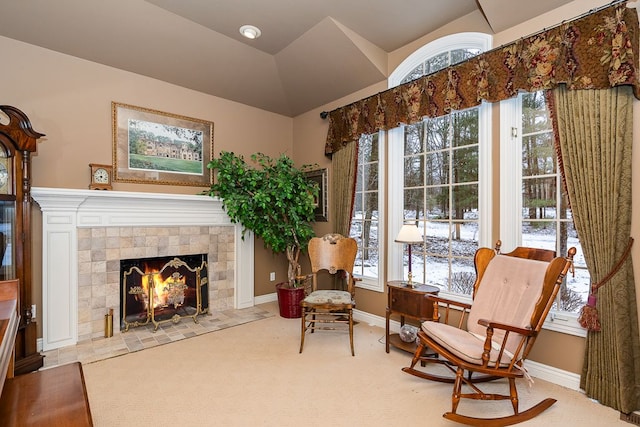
(271, 197)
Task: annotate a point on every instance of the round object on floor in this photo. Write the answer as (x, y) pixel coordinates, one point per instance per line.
(408, 333)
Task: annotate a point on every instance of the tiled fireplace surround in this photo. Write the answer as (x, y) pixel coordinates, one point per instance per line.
(86, 233)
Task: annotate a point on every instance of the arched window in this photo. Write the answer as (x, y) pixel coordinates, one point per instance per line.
(439, 177)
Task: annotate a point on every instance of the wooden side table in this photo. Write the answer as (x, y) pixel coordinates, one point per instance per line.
(409, 302)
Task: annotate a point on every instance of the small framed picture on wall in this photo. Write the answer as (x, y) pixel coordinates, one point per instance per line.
(320, 178)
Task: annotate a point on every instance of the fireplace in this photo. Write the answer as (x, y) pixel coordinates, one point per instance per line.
(85, 234)
(159, 290)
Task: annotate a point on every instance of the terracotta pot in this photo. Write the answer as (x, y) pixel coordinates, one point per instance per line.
(289, 300)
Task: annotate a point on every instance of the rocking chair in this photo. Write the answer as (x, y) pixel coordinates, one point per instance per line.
(512, 295)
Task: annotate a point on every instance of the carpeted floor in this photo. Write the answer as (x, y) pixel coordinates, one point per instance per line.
(253, 375)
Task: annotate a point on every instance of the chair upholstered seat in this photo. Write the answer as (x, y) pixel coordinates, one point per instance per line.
(464, 344)
(516, 289)
(329, 296)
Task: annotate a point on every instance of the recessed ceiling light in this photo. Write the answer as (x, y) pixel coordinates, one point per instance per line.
(250, 32)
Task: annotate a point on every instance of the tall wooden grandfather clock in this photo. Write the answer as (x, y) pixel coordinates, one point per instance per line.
(17, 142)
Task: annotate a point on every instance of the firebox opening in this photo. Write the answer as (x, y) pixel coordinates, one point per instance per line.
(163, 289)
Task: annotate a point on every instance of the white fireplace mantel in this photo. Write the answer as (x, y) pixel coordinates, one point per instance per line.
(64, 211)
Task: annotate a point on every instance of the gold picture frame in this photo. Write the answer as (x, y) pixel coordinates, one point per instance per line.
(320, 178)
(154, 147)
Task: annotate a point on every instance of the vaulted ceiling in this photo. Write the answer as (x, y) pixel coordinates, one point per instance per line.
(310, 52)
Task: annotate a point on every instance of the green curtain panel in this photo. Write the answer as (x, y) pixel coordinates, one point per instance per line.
(344, 165)
(594, 133)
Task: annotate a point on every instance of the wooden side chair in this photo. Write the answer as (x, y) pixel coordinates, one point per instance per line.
(322, 309)
(512, 295)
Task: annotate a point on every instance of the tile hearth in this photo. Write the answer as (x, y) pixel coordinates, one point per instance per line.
(144, 337)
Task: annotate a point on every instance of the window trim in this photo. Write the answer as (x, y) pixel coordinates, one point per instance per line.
(378, 285)
(466, 40)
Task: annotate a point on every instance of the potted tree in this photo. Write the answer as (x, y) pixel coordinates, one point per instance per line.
(275, 200)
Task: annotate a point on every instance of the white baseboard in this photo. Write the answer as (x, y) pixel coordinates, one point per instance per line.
(553, 375)
(39, 345)
(262, 299)
(373, 320)
(537, 370)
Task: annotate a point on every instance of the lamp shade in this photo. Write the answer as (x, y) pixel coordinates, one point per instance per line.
(409, 233)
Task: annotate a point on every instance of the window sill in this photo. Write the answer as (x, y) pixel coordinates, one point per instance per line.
(566, 323)
(369, 284)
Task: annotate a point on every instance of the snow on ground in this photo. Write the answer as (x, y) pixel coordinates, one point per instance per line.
(437, 241)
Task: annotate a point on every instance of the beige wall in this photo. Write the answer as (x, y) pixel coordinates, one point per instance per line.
(69, 100)
(311, 130)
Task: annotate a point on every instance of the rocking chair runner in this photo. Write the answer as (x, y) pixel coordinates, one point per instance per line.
(512, 296)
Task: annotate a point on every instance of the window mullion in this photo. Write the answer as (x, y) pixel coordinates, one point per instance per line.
(510, 174)
(395, 199)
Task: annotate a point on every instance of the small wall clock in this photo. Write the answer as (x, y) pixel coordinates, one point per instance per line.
(101, 176)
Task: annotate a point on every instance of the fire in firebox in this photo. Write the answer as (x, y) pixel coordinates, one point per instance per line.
(163, 289)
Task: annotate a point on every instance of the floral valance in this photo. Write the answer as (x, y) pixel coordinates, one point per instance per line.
(596, 51)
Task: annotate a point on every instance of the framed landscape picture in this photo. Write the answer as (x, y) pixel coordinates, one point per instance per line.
(152, 147)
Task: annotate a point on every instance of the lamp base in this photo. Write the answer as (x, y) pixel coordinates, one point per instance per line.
(409, 282)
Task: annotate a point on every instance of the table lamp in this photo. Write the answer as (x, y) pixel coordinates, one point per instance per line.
(409, 234)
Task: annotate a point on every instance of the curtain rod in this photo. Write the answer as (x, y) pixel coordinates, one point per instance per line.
(631, 3)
